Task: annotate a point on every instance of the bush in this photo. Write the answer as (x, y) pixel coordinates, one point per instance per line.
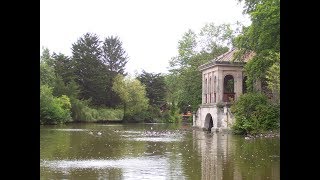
(172, 115)
(53, 110)
(81, 111)
(254, 114)
(110, 114)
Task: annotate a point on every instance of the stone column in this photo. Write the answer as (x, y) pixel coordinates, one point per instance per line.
(220, 78)
(238, 85)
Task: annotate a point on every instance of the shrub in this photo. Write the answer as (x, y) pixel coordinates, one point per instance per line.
(254, 113)
(53, 110)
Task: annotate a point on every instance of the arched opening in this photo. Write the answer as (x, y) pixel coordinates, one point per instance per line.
(208, 123)
(228, 88)
(244, 85)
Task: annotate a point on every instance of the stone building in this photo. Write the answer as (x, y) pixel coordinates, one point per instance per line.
(223, 81)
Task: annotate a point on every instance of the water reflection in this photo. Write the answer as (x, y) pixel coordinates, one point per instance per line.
(153, 151)
(226, 156)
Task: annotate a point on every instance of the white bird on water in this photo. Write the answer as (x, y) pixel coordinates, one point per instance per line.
(99, 133)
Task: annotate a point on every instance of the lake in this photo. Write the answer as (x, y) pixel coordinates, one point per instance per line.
(154, 151)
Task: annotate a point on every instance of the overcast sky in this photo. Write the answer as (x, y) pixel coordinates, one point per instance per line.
(149, 29)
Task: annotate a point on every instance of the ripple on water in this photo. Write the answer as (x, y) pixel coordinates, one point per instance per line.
(133, 167)
(70, 129)
(156, 139)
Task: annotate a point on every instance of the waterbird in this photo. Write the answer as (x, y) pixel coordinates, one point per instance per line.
(99, 133)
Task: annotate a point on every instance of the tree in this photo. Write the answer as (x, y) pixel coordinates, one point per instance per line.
(63, 66)
(212, 36)
(261, 37)
(113, 55)
(47, 75)
(184, 81)
(273, 77)
(133, 96)
(155, 87)
(115, 58)
(90, 72)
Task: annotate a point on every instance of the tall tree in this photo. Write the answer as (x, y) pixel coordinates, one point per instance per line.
(113, 55)
(90, 72)
(155, 87)
(47, 75)
(64, 67)
(115, 59)
(184, 80)
(262, 37)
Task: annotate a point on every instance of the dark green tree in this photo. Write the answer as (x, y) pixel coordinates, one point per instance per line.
(63, 66)
(115, 58)
(155, 87)
(113, 55)
(90, 72)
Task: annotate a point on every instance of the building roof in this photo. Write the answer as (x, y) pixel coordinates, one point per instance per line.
(227, 59)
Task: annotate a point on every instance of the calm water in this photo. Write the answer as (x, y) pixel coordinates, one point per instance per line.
(153, 151)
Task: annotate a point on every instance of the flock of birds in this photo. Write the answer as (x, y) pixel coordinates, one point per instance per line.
(98, 133)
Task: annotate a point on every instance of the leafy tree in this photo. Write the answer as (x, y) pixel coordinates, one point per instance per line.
(184, 81)
(47, 75)
(115, 59)
(186, 49)
(273, 77)
(133, 96)
(155, 87)
(262, 37)
(212, 36)
(90, 72)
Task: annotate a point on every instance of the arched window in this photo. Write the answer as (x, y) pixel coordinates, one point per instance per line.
(228, 88)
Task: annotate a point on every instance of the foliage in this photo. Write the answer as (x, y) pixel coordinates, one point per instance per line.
(155, 87)
(64, 67)
(171, 115)
(264, 32)
(273, 77)
(261, 37)
(81, 111)
(184, 83)
(53, 110)
(113, 55)
(90, 72)
(257, 68)
(254, 113)
(133, 96)
(47, 75)
(110, 114)
(115, 58)
(212, 36)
